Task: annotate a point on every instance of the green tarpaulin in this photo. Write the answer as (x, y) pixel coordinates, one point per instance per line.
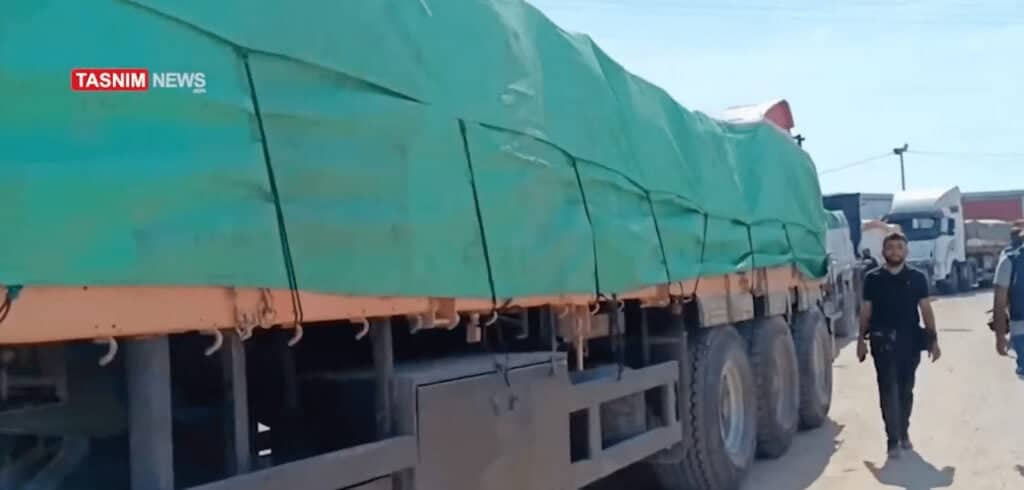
(463, 148)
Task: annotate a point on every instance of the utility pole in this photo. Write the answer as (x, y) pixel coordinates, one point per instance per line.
(903, 171)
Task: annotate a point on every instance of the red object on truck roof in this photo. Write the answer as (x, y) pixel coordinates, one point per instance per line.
(777, 112)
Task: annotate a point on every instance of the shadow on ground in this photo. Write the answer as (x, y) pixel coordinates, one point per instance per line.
(804, 463)
(911, 472)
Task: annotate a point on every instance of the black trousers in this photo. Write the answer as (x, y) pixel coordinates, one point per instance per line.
(896, 360)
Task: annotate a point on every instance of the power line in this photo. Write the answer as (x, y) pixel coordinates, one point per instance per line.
(858, 163)
(926, 153)
(966, 154)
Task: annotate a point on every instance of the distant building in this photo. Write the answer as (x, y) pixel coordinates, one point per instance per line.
(1004, 205)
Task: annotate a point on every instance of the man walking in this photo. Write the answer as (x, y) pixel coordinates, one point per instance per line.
(1009, 301)
(869, 261)
(895, 300)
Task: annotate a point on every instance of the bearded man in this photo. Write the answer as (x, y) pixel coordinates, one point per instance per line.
(896, 298)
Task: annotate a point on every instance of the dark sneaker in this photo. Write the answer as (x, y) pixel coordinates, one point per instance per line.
(905, 444)
(893, 449)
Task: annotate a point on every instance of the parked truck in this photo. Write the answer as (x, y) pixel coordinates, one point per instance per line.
(934, 225)
(986, 241)
(392, 245)
(859, 207)
(845, 267)
(873, 233)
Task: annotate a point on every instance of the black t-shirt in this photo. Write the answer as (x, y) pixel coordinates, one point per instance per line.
(894, 298)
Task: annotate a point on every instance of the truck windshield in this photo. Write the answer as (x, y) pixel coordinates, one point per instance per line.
(917, 227)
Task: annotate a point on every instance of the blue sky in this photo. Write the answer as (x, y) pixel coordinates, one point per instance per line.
(945, 76)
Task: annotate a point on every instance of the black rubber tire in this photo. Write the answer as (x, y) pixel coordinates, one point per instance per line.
(966, 277)
(777, 381)
(951, 285)
(705, 463)
(814, 355)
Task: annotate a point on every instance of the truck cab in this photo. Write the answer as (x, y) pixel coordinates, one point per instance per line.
(933, 223)
(843, 299)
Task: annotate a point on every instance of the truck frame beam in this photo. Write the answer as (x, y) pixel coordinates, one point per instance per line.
(602, 461)
(148, 374)
(330, 471)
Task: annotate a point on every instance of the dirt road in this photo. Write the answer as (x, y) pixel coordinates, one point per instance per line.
(968, 422)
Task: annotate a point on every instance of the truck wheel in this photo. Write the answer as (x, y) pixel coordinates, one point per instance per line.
(723, 411)
(966, 277)
(951, 285)
(814, 356)
(773, 358)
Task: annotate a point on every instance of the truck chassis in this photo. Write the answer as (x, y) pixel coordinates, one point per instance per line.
(676, 385)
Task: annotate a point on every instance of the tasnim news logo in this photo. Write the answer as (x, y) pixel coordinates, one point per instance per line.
(134, 80)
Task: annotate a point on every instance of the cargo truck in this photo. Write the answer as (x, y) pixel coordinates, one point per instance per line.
(986, 241)
(393, 245)
(873, 233)
(859, 207)
(934, 225)
(846, 271)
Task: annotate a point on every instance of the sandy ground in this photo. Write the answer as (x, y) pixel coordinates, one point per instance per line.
(967, 426)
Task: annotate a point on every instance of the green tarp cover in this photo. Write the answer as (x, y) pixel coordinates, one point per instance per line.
(457, 148)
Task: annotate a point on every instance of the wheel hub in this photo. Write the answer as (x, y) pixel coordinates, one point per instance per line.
(821, 361)
(786, 394)
(732, 421)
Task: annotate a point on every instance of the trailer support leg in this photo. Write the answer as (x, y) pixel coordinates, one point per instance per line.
(384, 366)
(236, 406)
(286, 437)
(148, 374)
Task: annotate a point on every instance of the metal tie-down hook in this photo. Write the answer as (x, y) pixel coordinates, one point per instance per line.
(218, 341)
(595, 309)
(111, 350)
(366, 327)
(417, 324)
(245, 326)
(297, 337)
(454, 322)
(244, 332)
(565, 311)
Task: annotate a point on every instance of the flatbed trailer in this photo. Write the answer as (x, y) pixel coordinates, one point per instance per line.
(986, 241)
(390, 245)
(581, 389)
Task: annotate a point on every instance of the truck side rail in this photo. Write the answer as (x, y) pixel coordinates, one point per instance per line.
(89, 312)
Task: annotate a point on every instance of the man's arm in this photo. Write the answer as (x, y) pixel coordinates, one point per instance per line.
(1000, 323)
(865, 319)
(1001, 301)
(865, 322)
(865, 306)
(924, 303)
(928, 315)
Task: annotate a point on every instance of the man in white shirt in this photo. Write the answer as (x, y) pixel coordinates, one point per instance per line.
(1008, 308)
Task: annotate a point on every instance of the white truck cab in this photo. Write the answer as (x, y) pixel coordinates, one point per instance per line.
(934, 225)
(838, 242)
(844, 300)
